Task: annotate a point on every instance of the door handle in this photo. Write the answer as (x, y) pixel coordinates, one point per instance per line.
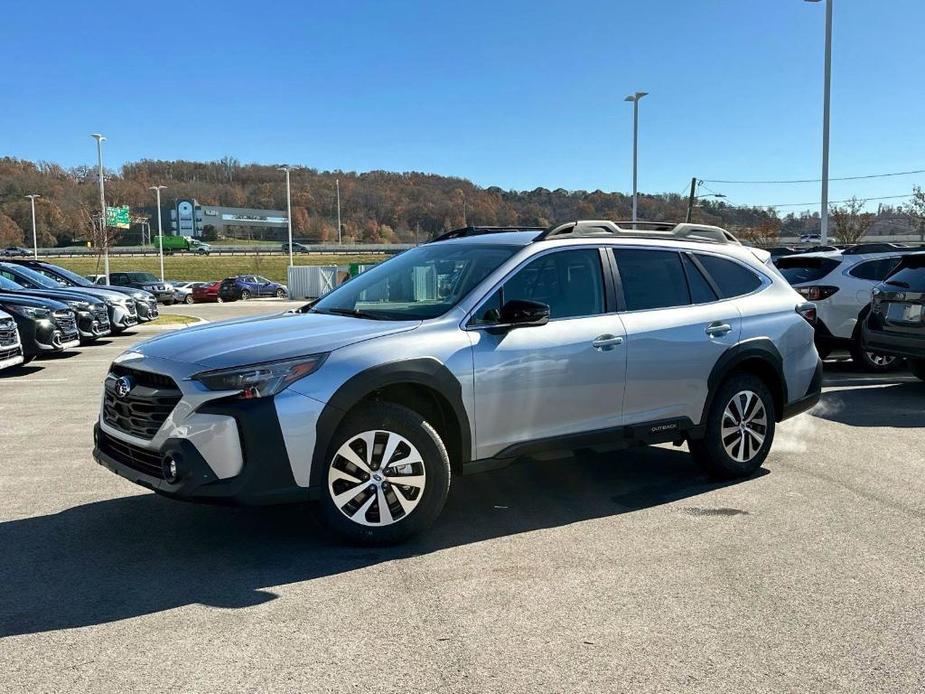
(718, 329)
(604, 342)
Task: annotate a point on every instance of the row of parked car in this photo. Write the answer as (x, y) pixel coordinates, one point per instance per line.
(869, 301)
(239, 287)
(45, 309)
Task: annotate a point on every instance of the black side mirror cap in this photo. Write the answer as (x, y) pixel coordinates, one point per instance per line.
(520, 313)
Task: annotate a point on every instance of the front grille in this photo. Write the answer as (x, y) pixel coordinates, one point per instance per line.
(140, 459)
(8, 335)
(8, 352)
(67, 324)
(130, 306)
(143, 410)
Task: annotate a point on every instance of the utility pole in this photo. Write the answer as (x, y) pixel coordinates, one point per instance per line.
(826, 107)
(160, 231)
(634, 98)
(288, 209)
(35, 243)
(690, 200)
(103, 235)
(337, 187)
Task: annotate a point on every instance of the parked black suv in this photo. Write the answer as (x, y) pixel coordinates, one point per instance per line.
(146, 281)
(90, 311)
(44, 325)
(896, 323)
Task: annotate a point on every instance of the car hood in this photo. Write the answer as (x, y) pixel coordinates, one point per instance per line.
(266, 338)
(131, 291)
(62, 295)
(99, 292)
(17, 299)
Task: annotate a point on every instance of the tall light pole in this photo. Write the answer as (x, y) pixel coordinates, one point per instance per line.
(160, 232)
(826, 102)
(337, 186)
(35, 243)
(635, 97)
(286, 168)
(99, 157)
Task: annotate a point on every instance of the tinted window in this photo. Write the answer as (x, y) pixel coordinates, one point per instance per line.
(571, 283)
(799, 270)
(701, 291)
(731, 278)
(910, 274)
(651, 279)
(875, 270)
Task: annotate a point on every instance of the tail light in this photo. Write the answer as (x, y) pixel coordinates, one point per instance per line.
(808, 311)
(817, 292)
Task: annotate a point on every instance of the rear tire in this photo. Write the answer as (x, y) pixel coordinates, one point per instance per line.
(245, 295)
(188, 299)
(873, 362)
(280, 293)
(219, 300)
(735, 445)
(366, 486)
(917, 366)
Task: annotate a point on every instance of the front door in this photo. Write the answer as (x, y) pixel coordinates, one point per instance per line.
(546, 381)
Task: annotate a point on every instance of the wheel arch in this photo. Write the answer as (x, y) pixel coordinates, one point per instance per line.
(425, 386)
(759, 357)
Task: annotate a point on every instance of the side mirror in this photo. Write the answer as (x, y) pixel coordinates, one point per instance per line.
(520, 313)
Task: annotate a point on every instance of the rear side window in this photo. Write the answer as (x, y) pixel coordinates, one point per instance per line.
(910, 274)
(875, 270)
(701, 291)
(651, 279)
(799, 270)
(731, 278)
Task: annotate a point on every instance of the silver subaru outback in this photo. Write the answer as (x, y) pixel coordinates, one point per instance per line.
(479, 348)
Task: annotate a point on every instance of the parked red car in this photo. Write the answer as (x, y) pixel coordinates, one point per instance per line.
(207, 292)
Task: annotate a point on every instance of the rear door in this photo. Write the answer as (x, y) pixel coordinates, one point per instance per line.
(677, 328)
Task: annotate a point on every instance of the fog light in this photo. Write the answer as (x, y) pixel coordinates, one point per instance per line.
(171, 469)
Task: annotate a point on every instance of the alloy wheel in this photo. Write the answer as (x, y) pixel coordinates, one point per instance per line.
(376, 478)
(745, 426)
(881, 360)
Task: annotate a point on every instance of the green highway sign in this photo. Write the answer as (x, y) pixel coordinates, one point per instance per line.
(118, 217)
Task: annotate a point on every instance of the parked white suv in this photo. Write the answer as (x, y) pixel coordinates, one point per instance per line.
(463, 354)
(840, 284)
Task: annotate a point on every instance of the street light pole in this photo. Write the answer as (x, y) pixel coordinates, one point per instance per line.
(35, 243)
(826, 102)
(635, 97)
(288, 209)
(160, 231)
(337, 186)
(99, 157)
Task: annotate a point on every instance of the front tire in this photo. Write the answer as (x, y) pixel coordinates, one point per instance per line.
(917, 366)
(386, 476)
(739, 428)
(280, 293)
(245, 295)
(188, 299)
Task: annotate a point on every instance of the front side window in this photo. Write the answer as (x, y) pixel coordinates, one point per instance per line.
(422, 283)
(731, 278)
(651, 279)
(571, 283)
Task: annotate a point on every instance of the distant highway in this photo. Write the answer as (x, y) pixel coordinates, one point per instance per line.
(315, 249)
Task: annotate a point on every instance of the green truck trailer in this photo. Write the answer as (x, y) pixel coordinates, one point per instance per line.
(172, 244)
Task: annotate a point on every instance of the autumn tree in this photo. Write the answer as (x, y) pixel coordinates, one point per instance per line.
(914, 211)
(10, 233)
(764, 234)
(851, 222)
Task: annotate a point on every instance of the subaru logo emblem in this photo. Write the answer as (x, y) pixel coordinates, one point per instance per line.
(123, 386)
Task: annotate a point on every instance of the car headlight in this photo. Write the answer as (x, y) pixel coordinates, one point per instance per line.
(79, 305)
(261, 380)
(37, 312)
(141, 296)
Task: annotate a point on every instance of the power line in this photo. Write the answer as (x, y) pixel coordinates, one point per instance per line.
(816, 202)
(818, 180)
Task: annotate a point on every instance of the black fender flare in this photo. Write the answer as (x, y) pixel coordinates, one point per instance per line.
(758, 349)
(427, 372)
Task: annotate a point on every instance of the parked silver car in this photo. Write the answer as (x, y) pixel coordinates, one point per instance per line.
(461, 355)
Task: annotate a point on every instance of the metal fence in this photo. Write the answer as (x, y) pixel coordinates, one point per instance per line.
(311, 281)
(316, 249)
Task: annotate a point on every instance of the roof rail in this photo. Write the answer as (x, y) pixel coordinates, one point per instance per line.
(872, 247)
(479, 230)
(646, 230)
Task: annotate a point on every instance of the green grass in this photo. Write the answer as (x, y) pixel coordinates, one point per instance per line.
(206, 268)
(175, 319)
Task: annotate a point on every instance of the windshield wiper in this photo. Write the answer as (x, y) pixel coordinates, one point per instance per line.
(354, 312)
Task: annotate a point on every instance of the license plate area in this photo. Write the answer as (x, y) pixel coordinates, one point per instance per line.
(900, 312)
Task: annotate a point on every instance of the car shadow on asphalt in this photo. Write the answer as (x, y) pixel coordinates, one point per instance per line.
(895, 404)
(121, 558)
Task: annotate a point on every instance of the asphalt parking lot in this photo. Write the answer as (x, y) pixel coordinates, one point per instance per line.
(626, 572)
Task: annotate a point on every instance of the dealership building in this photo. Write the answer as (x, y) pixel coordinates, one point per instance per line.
(189, 218)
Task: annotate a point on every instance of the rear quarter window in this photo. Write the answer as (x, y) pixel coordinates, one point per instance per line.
(910, 273)
(731, 278)
(875, 270)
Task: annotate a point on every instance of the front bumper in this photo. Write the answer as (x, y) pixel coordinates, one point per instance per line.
(122, 316)
(226, 450)
(92, 325)
(146, 310)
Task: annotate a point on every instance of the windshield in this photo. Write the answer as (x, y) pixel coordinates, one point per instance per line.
(9, 284)
(422, 283)
(799, 270)
(38, 278)
(68, 276)
(141, 277)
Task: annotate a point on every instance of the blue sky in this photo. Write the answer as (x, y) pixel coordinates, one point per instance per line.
(515, 94)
